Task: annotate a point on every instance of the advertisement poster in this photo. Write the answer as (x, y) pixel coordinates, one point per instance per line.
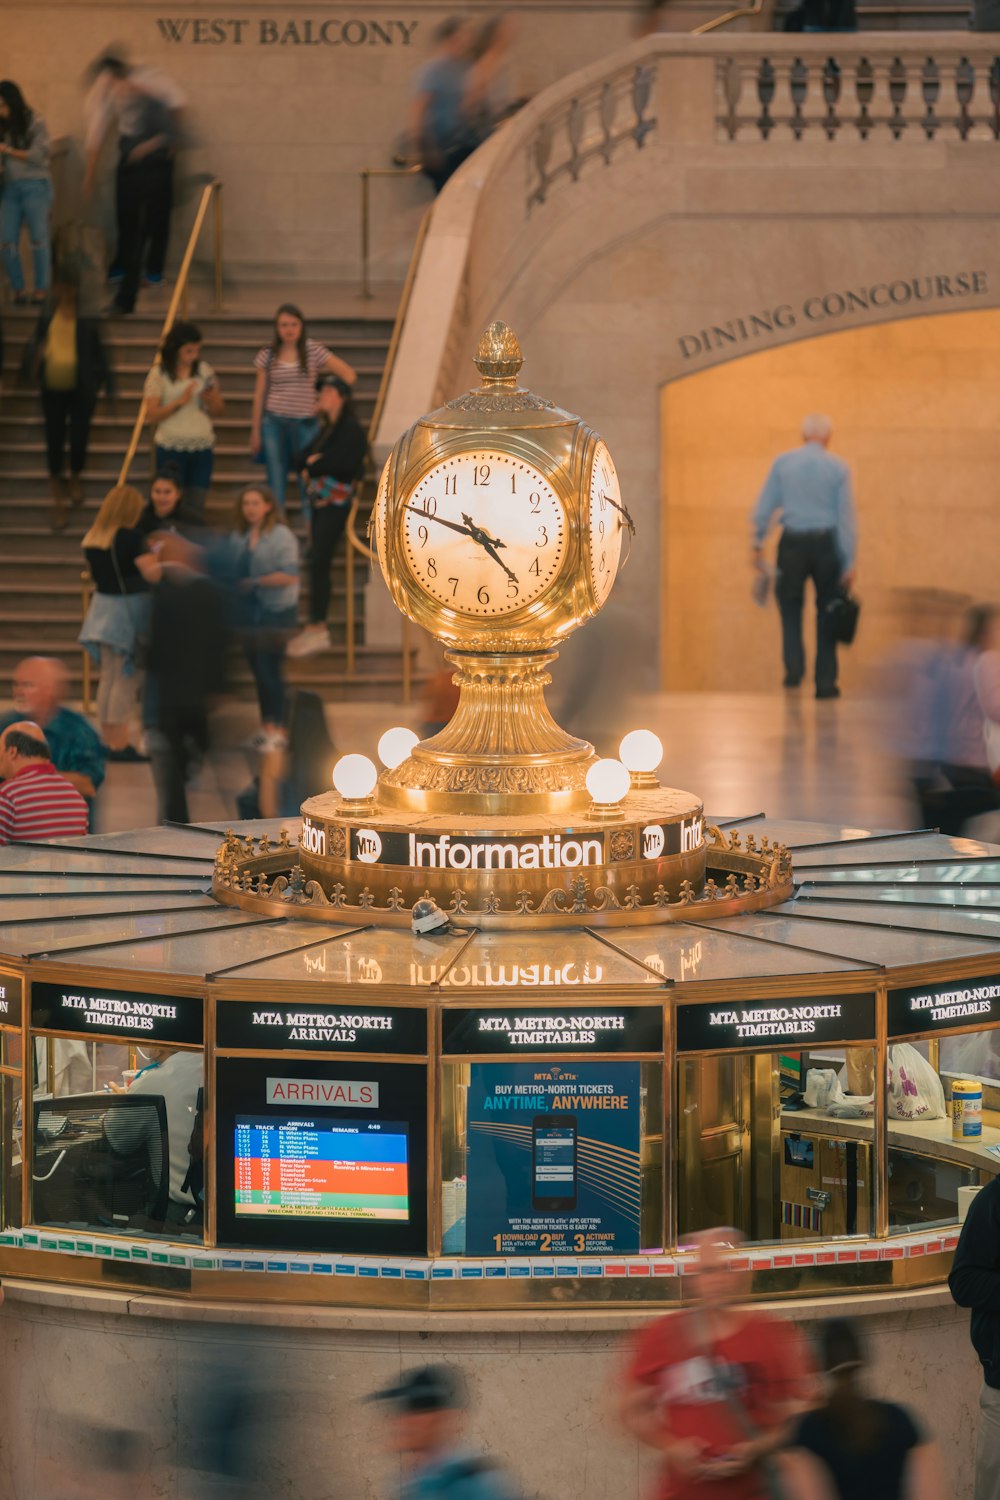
(553, 1158)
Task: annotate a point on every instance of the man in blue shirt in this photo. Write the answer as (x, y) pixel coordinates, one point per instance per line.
(812, 491)
(77, 752)
(424, 1415)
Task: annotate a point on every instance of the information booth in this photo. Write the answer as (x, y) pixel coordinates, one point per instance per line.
(491, 1118)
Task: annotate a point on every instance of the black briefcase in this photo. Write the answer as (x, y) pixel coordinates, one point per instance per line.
(842, 613)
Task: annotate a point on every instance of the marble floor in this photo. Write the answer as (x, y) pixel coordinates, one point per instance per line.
(782, 753)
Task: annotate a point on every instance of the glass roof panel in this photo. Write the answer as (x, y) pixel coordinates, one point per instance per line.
(689, 951)
(197, 953)
(972, 922)
(378, 956)
(912, 894)
(920, 846)
(59, 937)
(873, 945)
(952, 872)
(561, 959)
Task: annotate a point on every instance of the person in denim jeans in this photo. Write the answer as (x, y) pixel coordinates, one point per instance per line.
(263, 563)
(284, 399)
(27, 192)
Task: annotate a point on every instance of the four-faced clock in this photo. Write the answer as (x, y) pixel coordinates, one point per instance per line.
(484, 533)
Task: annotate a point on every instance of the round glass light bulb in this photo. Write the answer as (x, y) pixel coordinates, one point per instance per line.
(608, 781)
(641, 750)
(354, 777)
(395, 745)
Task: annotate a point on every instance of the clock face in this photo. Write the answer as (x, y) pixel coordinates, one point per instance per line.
(484, 533)
(607, 523)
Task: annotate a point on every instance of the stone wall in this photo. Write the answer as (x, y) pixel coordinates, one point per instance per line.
(288, 102)
(542, 1389)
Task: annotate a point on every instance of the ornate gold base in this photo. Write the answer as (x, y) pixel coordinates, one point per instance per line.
(501, 753)
(722, 877)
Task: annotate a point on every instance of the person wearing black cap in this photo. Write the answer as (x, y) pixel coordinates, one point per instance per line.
(425, 1420)
(331, 467)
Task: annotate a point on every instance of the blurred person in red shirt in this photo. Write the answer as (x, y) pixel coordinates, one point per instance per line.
(715, 1388)
(35, 801)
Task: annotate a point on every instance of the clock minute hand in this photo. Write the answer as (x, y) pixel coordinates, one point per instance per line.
(451, 525)
(622, 512)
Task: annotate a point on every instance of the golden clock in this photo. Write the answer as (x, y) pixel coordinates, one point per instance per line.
(499, 525)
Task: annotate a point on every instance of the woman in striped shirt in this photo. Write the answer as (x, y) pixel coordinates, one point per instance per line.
(284, 399)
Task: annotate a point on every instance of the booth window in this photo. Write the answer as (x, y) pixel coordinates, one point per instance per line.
(117, 1138)
(778, 1144)
(933, 1156)
(552, 1158)
(11, 1135)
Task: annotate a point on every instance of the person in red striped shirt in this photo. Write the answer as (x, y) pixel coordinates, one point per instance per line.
(35, 801)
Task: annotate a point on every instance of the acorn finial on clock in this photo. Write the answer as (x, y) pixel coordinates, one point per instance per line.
(499, 354)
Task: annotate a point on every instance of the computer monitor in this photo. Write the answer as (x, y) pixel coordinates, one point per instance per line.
(101, 1161)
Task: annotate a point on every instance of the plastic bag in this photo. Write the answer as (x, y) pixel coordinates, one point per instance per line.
(822, 1088)
(915, 1090)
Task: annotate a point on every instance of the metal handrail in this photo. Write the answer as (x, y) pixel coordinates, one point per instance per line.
(211, 194)
(86, 592)
(731, 15)
(354, 542)
(366, 175)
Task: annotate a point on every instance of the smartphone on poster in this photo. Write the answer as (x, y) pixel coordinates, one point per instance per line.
(553, 1163)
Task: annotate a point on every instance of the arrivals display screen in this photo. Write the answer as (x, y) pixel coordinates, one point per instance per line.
(321, 1154)
(357, 1169)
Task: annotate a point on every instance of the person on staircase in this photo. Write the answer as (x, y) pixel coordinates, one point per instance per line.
(66, 356)
(262, 564)
(182, 397)
(165, 510)
(331, 466)
(27, 192)
(123, 567)
(284, 400)
(146, 108)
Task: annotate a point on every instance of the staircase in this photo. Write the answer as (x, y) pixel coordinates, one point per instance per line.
(40, 585)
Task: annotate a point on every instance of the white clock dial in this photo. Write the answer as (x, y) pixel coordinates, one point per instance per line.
(607, 523)
(484, 533)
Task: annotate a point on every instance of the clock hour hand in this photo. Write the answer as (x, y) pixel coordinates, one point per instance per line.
(489, 544)
(622, 512)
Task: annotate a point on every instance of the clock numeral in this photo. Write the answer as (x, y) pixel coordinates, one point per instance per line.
(603, 501)
(535, 501)
(536, 567)
(483, 596)
(600, 529)
(513, 483)
(454, 586)
(512, 588)
(544, 537)
(422, 535)
(432, 568)
(481, 474)
(430, 506)
(451, 484)
(603, 565)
